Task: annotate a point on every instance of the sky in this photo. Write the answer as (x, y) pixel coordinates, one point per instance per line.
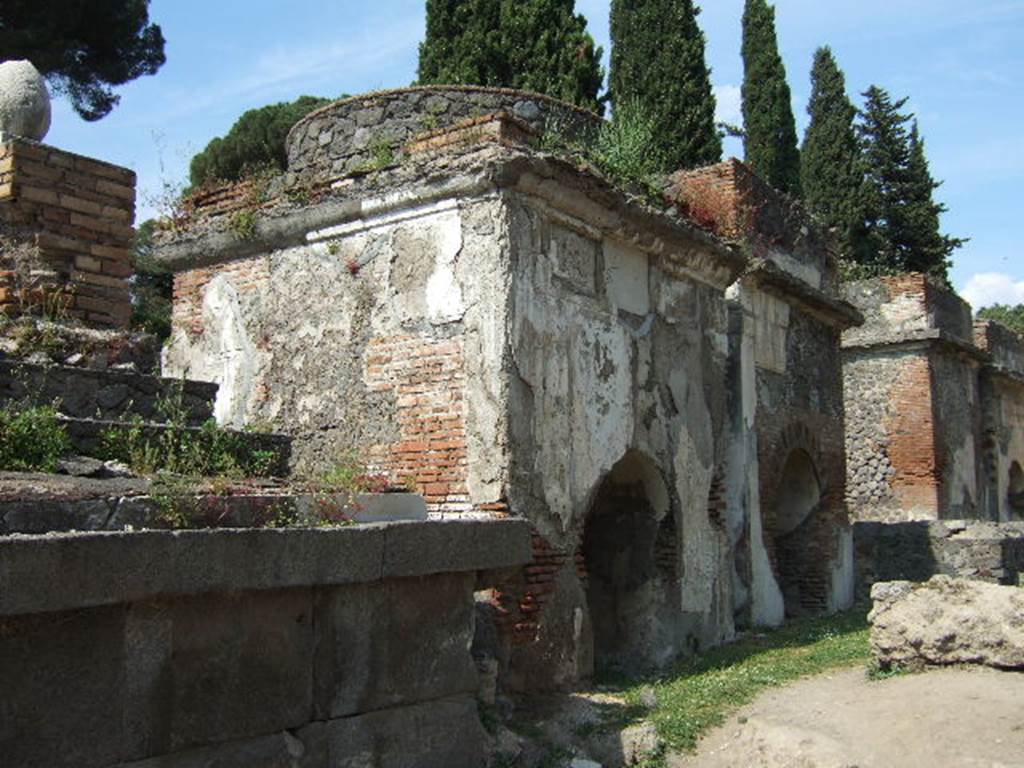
(960, 63)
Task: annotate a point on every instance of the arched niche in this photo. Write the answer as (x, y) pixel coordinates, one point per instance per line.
(629, 546)
(1015, 492)
(801, 568)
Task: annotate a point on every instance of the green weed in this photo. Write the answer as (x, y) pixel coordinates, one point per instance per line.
(32, 439)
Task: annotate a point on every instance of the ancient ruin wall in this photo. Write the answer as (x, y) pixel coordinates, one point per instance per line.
(912, 402)
(1002, 397)
(364, 339)
(76, 213)
(366, 131)
(617, 367)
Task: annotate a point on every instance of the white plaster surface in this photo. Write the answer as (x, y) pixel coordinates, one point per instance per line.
(627, 276)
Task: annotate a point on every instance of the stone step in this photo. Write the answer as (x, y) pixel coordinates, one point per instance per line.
(85, 393)
(87, 437)
(33, 504)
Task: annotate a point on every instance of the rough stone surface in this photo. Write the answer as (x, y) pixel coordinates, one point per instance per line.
(24, 101)
(439, 734)
(351, 134)
(916, 551)
(947, 621)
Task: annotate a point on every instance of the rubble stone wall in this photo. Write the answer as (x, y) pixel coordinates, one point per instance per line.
(913, 405)
(77, 213)
(918, 550)
(358, 132)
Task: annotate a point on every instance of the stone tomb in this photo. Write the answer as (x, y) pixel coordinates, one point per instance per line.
(513, 335)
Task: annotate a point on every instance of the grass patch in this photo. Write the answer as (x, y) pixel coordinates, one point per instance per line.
(699, 692)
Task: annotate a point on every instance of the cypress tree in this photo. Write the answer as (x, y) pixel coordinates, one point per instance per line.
(929, 249)
(902, 217)
(831, 174)
(539, 45)
(658, 67)
(770, 143)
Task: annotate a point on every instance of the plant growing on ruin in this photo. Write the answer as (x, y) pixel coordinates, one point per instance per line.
(769, 142)
(657, 63)
(243, 224)
(207, 451)
(32, 439)
(626, 148)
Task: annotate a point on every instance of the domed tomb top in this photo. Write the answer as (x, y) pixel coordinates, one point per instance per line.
(356, 132)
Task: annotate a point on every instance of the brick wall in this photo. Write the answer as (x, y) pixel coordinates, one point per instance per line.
(78, 213)
(246, 275)
(426, 378)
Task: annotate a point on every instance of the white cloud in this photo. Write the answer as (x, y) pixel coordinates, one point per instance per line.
(987, 288)
(728, 104)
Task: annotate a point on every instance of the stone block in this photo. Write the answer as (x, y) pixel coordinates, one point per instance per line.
(213, 668)
(280, 750)
(61, 687)
(947, 621)
(436, 734)
(392, 642)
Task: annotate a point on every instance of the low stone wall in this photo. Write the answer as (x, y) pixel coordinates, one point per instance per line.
(361, 131)
(311, 648)
(103, 394)
(916, 551)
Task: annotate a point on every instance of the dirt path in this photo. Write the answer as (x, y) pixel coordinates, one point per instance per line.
(949, 718)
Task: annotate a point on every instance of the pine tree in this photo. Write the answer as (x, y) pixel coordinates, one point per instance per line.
(770, 143)
(539, 45)
(658, 67)
(831, 173)
(901, 215)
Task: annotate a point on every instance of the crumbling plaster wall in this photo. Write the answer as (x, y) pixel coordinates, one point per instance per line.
(611, 355)
(790, 381)
(365, 338)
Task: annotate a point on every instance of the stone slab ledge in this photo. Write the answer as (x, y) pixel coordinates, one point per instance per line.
(67, 571)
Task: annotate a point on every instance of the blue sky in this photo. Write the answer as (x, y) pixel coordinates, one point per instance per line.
(961, 64)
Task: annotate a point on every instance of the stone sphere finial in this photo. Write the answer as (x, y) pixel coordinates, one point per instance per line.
(24, 101)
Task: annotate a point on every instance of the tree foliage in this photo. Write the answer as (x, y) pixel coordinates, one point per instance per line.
(831, 173)
(902, 217)
(152, 286)
(770, 142)
(255, 141)
(1012, 316)
(538, 45)
(658, 67)
(83, 47)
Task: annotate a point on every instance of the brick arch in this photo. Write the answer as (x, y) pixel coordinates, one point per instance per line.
(802, 554)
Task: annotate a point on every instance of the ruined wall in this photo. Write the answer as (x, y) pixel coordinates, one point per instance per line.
(358, 133)
(617, 372)
(75, 214)
(918, 550)
(363, 339)
(912, 401)
(1002, 397)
